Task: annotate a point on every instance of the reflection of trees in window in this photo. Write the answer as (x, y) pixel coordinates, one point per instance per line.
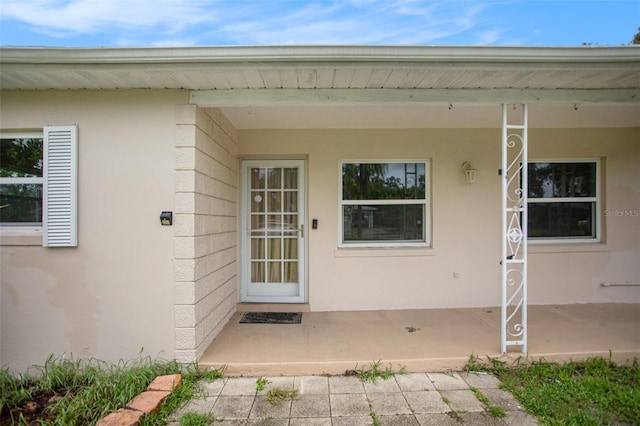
(389, 181)
(20, 157)
(20, 203)
(563, 200)
(373, 209)
(21, 168)
(562, 180)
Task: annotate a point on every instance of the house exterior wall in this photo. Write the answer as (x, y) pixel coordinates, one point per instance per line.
(206, 250)
(112, 296)
(575, 273)
(465, 224)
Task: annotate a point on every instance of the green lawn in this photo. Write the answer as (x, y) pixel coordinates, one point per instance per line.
(591, 392)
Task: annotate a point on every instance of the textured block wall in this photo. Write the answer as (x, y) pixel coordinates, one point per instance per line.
(206, 235)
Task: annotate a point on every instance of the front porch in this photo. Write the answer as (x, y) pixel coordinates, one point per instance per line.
(420, 340)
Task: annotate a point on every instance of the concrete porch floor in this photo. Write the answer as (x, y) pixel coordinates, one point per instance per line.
(333, 342)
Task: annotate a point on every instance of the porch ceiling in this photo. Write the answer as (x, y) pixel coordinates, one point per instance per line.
(278, 80)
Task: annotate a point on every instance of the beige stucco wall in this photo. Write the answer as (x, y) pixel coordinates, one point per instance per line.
(112, 296)
(568, 274)
(132, 284)
(465, 219)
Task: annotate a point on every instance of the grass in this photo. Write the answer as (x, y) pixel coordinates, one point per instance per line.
(82, 391)
(277, 395)
(591, 392)
(374, 372)
(261, 382)
(493, 410)
(197, 419)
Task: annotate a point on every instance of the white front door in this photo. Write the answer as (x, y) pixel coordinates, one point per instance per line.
(273, 231)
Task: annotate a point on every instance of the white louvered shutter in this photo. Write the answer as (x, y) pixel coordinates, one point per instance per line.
(60, 200)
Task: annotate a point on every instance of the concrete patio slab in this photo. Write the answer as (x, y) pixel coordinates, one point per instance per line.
(462, 400)
(502, 398)
(262, 408)
(436, 420)
(233, 407)
(480, 380)
(447, 381)
(423, 402)
(349, 405)
(414, 382)
(239, 386)
(345, 384)
(381, 386)
(311, 406)
(388, 403)
(312, 385)
(334, 342)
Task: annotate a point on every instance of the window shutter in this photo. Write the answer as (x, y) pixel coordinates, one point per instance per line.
(60, 186)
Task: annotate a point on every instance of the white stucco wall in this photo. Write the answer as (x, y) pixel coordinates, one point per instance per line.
(465, 219)
(112, 296)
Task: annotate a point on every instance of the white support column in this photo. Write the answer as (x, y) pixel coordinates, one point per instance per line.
(514, 227)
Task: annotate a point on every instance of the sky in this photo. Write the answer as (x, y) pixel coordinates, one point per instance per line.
(164, 23)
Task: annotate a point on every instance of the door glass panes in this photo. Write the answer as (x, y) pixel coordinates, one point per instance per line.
(274, 223)
(290, 178)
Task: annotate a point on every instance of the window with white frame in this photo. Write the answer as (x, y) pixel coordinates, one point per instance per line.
(384, 204)
(21, 179)
(564, 200)
(38, 184)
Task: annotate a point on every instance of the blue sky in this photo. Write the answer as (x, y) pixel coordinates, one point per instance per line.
(144, 23)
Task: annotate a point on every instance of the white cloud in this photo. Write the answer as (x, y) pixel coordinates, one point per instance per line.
(169, 22)
(370, 22)
(63, 18)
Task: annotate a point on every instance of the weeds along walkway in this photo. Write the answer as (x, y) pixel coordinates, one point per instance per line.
(399, 399)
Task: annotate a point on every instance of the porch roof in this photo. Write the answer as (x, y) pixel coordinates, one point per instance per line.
(322, 67)
(393, 86)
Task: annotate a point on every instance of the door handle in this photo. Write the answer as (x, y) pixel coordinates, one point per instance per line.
(302, 231)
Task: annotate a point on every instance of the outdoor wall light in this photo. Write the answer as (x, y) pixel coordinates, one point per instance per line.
(469, 172)
(166, 218)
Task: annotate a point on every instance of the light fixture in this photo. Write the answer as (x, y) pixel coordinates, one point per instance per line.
(469, 172)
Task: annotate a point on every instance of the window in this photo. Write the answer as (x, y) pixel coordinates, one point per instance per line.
(38, 188)
(383, 204)
(21, 179)
(564, 200)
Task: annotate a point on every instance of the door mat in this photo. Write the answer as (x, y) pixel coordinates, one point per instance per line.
(271, 318)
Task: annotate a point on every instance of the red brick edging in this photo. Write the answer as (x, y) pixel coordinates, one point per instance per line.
(147, 402)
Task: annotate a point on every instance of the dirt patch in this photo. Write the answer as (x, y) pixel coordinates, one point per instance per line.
(32, 412)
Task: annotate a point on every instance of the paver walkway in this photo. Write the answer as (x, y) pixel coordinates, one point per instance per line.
(403, 399)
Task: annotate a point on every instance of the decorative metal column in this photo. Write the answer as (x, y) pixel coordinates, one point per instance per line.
(514, 227)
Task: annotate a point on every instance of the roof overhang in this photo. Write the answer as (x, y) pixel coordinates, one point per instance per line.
(287, 77)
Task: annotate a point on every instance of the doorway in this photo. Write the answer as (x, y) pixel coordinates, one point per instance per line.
(273, 231)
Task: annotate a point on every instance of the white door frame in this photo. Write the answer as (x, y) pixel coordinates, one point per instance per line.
(246, 293)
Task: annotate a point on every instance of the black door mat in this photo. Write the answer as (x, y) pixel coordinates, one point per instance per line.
(271, 318)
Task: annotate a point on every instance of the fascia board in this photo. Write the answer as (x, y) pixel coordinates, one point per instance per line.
(320, 54)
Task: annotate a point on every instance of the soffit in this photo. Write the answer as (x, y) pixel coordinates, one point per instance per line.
(391, 86)
(320, 67)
